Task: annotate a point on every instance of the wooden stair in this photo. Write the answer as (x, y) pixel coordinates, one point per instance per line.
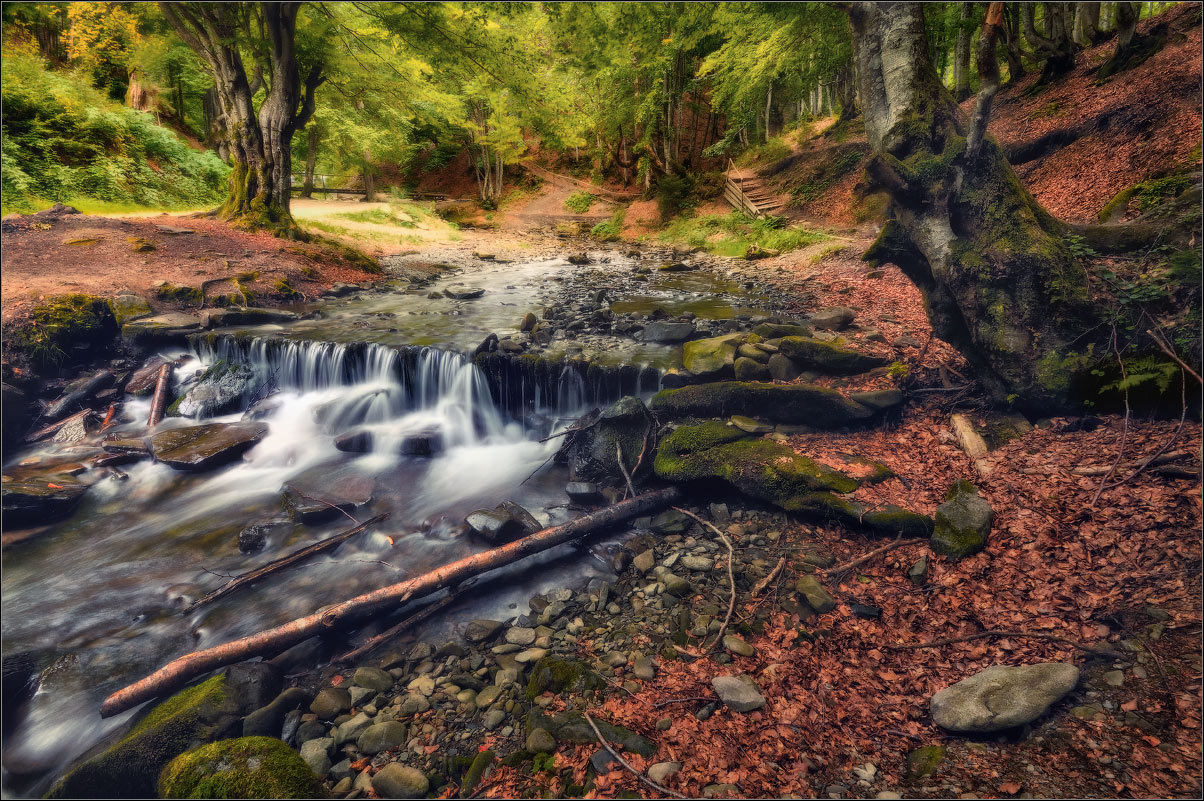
(751, 196)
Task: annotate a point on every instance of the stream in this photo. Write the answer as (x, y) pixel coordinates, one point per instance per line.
(99, 596)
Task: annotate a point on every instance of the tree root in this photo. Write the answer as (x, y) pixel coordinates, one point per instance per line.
(1108, 652)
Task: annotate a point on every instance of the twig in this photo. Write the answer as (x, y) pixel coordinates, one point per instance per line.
(876, 552)
(682, 700)
(624, 762)
(731, 577)
(765, 582)
(1171, 441)
(328, 503)
(1170, 352)
(542, 465)
(623, 468)
(983, 634)
(1124, 436)
(411, 621)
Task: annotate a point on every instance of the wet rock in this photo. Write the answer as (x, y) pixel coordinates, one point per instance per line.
(249, 767)
(142, 382)
(503, 523)
(592, 454)
(204, 447)
(395, 780)
(482, 630)
(746, 369)
(962, 522)
(713, 358)
(577, 258)
(34, 499)
(834, 318)
(357, 440)
(317, 495)
(268, 720)
(528, 322)
(461, 292)
(372, 678)
(668, 331)
(386, 736)
(782, 369)
(816, 406)
(331, 702)
(1002, 696)
(583, 492)
(817, 597)
(218, 318)
(168, 326)
(78, 394)
(223, 388)
(826, 357)
(76, 429)
(676, 267)
(740, 693)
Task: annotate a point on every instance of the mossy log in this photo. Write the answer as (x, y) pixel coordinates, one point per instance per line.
(780, 403)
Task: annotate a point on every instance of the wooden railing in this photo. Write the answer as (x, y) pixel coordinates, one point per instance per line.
(733, 192)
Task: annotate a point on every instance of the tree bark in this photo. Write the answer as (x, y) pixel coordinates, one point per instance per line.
(1012, 51)
(997, 277)
(259, 145)
(961, 64)
(311, 161)
(846, 92)
(1056, 48)
(176, 674)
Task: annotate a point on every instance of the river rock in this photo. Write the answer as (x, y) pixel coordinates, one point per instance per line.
(1002, 696)
(223, 388)
(461, 292)
(372, 678)
(316, 754)
(330, 702)
(168, 326)
(826, 357)
(783, 369)
(779, 330)
(540, 740)
(668, 331)
(395, 780)
(268, 720)
(740, 693)
(962, 522)
(204, 447)
(519, 635)
(592, 455)
(350, 730)
(833, 318)
(386, 736)
(583, 492)
(218, 318)
(746, 369)
(248, 767)
(503, 523)
(37, 499)
(482, 630)
(818, 598)
(713, 358)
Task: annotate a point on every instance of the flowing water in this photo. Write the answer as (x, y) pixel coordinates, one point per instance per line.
(100, 594)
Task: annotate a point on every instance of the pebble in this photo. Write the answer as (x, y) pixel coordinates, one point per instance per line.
(492, 719)
(520, 636)
(698, 563)
(661, 771)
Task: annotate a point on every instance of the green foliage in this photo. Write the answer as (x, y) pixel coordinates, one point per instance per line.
(64, 140)
(898, 371)
(673, 194)
(773, 150)
(579, 202)
(544, 763)
(731, 234)
(1146, 370)
(1153, 193)
(57, 325)
(611, 229)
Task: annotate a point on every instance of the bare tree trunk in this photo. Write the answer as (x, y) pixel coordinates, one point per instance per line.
(176, 674)
(846, 92)
(768, 110)
(1086, 23)
(1056, 48)
(961, 64)
(997, 278)
(1127, 41)
(1013, 52)
(311, 161)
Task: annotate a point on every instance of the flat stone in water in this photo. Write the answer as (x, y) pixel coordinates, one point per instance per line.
(460, 292)
(204, 447)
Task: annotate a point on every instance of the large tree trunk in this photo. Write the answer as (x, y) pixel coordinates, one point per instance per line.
(846, 92)
(1056, 48)
(311, 162)
(259, 145)
(961, 64)
(997, 278)
(1086, 23)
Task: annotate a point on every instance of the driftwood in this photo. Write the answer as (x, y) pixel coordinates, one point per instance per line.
(159, 400)
(413, 620)
(179, 672)
(832, 571)
(238, 582)
(970, 442)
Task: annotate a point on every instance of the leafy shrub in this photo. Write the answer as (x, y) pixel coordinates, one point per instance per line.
(579, 202)
(673, 194)
(731, 234)
(611, 229)
(63, 140)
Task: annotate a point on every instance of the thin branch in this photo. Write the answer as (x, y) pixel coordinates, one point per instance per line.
(876, 552)
(624, 762)
(731, 557)
(765, 582)
(983, 634)
(682, 700)
(623, 468)
(1170, 352)
(411, 621)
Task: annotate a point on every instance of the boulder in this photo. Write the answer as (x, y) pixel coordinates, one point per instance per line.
(168, 326)
(223, 388)
(541, 741)
(833, 318)
(676, 267)
(562, 676)
(782, 369)
(746, 369)
(668, 331)
(962, 522)
(218, 318)
(35, 499)
(1002, 696)
(713, 358)
(268, 720)
(330, 702)
(815, 406)
(249, 767)
(395, 780)
(422, 443)
(316, 753)
(317, 495)
(461, 292)
(355, 440)
(385, 736)
(779, 330)
(528, 322)
(204, 447)
(825, 357)
(503, 523)
(128, 306)
(880, 400)
(577, 258)
(740, 693)
(749, 425)
(592, 452)
(584, 492)
(482, 630)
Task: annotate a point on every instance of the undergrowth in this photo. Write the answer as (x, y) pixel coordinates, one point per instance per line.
(579, 202)
(731, 234)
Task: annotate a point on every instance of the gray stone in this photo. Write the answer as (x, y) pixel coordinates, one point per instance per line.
(583, 492)
(413, 704)
(662, 771)
(643, 668)
(492, 719)
(1002, 696)
(668, 331)
(701, 563)
(482, 630)
(781, 368)
(833, 318)
(331, 702)
(541, 741)
(461, 292)
(740, 693)
(819, 598)
(670, 521)
(400, 781)
(643, 562)
(317, 495)
(378, 737)
(738, 646)
(197, 448)
(316, 754)
(918, 573)
(520, 636)
(372, 678)
(676, 585)
(962, 522)
(352, 729)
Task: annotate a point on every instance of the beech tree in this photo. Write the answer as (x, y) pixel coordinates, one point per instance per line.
(258, 143)
(998, 276)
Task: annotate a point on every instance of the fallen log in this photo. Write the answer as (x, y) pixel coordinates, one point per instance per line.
(159, 400)
(973, 445)
(179, 672)
(410, 622)
(238, 582)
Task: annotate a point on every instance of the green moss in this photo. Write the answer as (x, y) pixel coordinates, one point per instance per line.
(283, 287)
(57, 326)
(780, 403)
(248, 767)
(175, 293)
(828, 357)
(561, 676)
(924, 761)
(1056, 371)
(209, 693)
(472, 777)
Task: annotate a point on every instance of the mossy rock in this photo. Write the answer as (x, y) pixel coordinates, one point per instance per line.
(562, 676)
(130, 768)
(571, 727)
(58, 328)
(711, 358)
(248, 767)
(962, 522)
(130, 307)
(923, 761)
(176, 293)
(815, 406)
(476, 771)
(826, 357)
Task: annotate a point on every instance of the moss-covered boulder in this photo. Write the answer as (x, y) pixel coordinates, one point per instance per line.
(592, 453)
(962, 522)
(747, 369)
(562, 676)
(176, 293)
(759, 468)
(712, 358)
(128, 306)
(827, 357)
(815, 406)
(248, 767)
(130, 768)
(61, 330)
